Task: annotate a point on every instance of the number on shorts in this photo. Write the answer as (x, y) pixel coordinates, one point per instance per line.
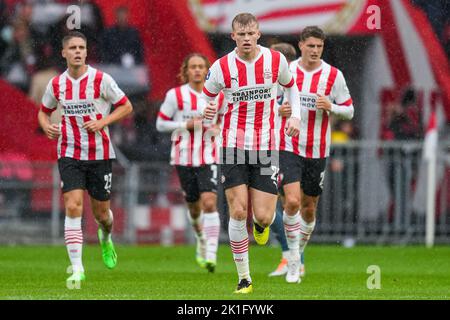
(214, 177)
(274, 176)
(108, 182)
(322, 177)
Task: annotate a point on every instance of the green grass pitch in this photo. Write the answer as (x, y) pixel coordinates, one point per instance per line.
(153, 272)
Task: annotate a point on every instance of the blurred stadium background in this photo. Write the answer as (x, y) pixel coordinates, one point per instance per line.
(394, 54)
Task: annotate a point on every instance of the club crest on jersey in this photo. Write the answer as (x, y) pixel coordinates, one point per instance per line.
(267, 74)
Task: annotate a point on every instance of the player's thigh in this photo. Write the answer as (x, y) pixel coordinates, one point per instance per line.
(72, 173)
(312, 176)
(99, 179)
(263, 205)
(188, 177)
(237, 199)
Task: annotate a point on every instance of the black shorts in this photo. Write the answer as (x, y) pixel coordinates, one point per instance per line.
(95, 176)
(310, 172)
(258, 170)
(196, 180)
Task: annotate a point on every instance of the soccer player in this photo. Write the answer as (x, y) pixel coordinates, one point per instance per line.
(323, 93)
(193, 155)
(283, 112)
(248, 77)
(85, 151)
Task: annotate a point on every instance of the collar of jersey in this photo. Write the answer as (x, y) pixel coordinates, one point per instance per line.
(313, 71)
(254, 60)
(192, 90)
(81, 77)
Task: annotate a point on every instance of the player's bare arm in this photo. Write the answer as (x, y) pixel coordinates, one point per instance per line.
(51, 129)
(119, 113)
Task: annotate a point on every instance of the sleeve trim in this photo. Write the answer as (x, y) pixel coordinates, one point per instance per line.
(290, 84)
(46, 110)
(163, 116)
(209, 94)
(347, 103)
(121, 102)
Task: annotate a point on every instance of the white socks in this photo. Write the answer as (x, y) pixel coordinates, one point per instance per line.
(73, 236)
(238, 234)
(292, 229)
(211, 228)
(305, 233)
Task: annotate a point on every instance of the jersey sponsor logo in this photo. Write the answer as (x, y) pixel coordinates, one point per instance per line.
(308, 101)
(78, 109)
(251, 94)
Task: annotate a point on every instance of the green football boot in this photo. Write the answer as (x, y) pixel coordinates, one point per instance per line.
(109, 254)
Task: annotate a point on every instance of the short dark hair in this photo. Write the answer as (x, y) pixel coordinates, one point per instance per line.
(73, 34)
(286, 49)
(312, 31)
(244, 19)
(182, 75)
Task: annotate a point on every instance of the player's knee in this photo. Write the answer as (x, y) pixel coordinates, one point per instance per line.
(308, 212)
(239, 212)
(209, 204)
(74, 207)
(102, 215)
(265, 222)
(292, 204)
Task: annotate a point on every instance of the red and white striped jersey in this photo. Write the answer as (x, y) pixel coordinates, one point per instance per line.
(251, 90)
(189, 148)
(87, 98)
(315, 129)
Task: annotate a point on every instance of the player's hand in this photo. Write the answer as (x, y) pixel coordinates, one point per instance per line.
(293, 127)
(214, 130)
(210, 111)
(94, 125)
(285, 110)
(194, 123)
(52, 131)
(323, 103)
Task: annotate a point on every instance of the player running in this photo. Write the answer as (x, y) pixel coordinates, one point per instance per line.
(283, 112)
(323, 92)
(194, 155)
(248, 76)
(85, 151)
